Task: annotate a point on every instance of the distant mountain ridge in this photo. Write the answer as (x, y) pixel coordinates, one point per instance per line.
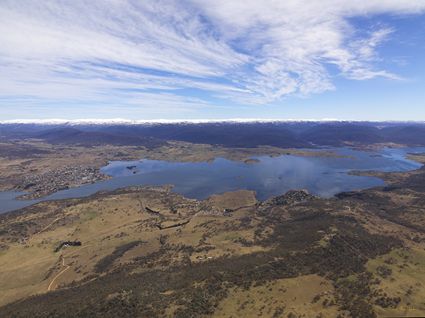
(68, 135)
(285, 134)
(122, 121)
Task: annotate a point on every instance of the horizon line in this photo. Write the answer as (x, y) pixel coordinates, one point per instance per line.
(98, 121)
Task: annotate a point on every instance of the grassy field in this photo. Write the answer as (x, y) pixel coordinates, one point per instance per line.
(102, 225)
(302, 296)
(148, 252)
(401, 274)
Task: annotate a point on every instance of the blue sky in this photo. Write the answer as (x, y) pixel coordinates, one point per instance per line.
(194, 59)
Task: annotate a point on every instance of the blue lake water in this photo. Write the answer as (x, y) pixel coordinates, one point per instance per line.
(323, 176)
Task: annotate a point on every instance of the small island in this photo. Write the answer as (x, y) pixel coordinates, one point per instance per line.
(251, 161)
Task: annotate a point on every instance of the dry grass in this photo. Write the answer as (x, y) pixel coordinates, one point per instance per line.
(406, 281)
(285, 296)
(104, 223)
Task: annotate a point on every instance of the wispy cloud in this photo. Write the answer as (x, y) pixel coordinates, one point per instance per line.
(139, 52)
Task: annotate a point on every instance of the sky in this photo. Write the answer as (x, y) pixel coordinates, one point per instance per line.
(217, 59)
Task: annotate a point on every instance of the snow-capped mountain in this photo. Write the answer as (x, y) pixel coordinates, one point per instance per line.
(121, 121)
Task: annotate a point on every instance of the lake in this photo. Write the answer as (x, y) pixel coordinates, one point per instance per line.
(323, 176)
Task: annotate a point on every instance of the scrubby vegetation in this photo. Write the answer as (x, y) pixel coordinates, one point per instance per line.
(103, 264)
(358, 246)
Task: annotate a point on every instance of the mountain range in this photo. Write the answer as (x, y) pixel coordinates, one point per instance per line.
(290, 134)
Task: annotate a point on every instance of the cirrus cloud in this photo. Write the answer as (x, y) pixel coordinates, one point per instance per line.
(244, 51)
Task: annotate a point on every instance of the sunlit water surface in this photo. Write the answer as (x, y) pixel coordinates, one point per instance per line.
(323, 176)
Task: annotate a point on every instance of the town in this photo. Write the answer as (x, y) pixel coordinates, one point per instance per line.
(40, 185)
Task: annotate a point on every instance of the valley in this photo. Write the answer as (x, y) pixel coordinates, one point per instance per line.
(212, 159)
(42, 168)
(358, 254)
(149, 251)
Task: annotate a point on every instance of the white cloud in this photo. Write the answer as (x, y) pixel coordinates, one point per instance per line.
(249, 51)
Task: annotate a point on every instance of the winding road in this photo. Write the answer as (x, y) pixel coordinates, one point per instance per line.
(50, 287)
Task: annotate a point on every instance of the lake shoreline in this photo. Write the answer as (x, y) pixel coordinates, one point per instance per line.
(238, 175)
